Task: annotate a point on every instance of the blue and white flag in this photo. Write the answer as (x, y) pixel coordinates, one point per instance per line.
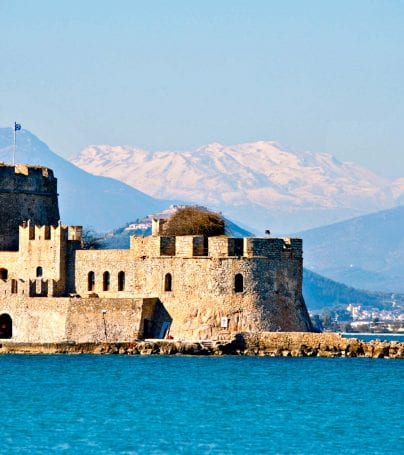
(17, 126)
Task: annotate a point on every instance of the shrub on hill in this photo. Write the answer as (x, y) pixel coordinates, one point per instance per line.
(195, 221)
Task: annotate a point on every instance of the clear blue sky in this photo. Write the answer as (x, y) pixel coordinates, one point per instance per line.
(326, 76)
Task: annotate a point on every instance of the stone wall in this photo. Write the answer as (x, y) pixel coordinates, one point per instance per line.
(203, 301)
(54, 320)
(43, 260)
(26, 193)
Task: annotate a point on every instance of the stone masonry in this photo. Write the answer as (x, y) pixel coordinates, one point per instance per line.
(51, 290)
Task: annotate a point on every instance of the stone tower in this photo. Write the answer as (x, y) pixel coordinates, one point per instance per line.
(26, 193)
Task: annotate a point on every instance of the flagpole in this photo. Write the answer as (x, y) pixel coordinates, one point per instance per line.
(14, 145)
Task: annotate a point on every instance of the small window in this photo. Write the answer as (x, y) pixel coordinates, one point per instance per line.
(238, 283)
(105, 281)
(3, 274)
(39, 272)
(47, 234)
(14, 286)
(121, 281)
(91, 281)
(168, 282)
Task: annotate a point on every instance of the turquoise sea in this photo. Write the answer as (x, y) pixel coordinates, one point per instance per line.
(376, 336)
(215, 405)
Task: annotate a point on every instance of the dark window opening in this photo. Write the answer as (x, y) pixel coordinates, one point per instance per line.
(121, 281)
(105, 281)
(6, 326)
(39, 272)
(238, 247)
(238, 283)
(47, 235)
(3, 274)
(168, 282)
(91, 281)
(205, 246)
(14, 286)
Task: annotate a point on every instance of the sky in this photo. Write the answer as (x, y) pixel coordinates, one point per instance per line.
(325, 76)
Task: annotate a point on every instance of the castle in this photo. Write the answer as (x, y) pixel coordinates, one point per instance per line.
(190, 287)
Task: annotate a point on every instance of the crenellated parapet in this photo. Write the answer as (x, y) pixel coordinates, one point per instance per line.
(23, 178)
(30, 232)
(217, 247)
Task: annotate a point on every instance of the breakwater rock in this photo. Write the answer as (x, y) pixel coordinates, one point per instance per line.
(272, 344)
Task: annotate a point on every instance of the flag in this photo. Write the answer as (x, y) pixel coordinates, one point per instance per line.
(17, 126)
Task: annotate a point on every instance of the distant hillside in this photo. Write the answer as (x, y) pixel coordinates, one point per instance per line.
(261, 183)
(84, 199)
(365, 252)
(320, 292)
(120, 237)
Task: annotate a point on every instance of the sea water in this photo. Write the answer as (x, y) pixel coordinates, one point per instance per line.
(214, 405)
(376, 336)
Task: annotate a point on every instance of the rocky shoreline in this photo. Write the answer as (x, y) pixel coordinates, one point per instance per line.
(271, 344)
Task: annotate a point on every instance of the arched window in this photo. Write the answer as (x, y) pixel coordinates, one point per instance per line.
(238, 283)
(6, 326)
(168, 282)
(105, 281)
(91, 281)
(39, 272)
(3, 274)
(121, 281)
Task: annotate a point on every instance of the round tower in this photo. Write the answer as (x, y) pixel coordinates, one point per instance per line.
(26, 193)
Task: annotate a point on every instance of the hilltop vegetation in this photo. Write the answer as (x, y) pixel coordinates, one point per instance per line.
(194, 221)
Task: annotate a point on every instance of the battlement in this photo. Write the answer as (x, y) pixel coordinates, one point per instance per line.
(29, 232)
(217, 247)
(26, 178)
(25, 169)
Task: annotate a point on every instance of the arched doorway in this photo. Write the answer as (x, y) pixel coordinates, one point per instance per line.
(6, 326)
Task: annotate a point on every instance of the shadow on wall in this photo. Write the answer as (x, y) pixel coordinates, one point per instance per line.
(159, 324)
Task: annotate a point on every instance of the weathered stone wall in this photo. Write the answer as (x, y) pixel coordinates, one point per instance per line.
(99, 262)
(203, 301)
(43, 259)
(107, 320)
(26, 193)
(54, 320)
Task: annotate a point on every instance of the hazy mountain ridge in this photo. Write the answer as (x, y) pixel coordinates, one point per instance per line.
(365, 252)
(259, 181)
(84, 199)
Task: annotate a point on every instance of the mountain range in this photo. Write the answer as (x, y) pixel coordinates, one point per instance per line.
(365, 252)
(260, 184)
(85, 199)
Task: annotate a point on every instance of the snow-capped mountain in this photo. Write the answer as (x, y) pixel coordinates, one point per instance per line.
(100, 202)
(260, 184)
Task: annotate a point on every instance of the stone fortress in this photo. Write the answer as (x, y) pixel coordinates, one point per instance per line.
(187, 287)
